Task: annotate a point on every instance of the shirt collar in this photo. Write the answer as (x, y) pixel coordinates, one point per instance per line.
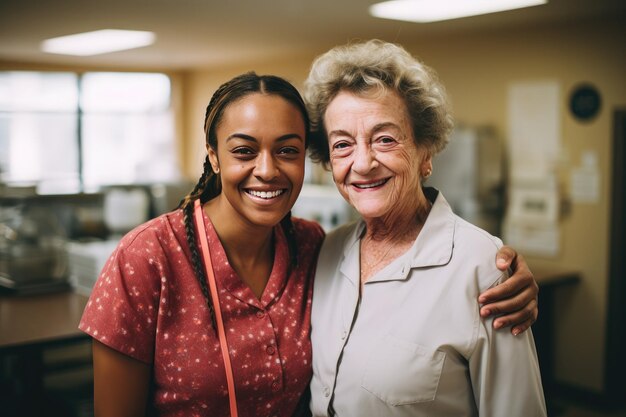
(228, 279)
(433, 246)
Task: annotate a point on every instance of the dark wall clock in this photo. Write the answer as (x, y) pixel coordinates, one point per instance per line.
(585, 102)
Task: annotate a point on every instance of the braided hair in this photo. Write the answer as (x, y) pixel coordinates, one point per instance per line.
(209, 185)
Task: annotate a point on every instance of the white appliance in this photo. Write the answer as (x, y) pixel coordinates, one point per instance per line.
(323, 204)
(470, 174)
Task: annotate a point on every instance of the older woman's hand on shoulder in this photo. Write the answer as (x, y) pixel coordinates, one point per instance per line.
(515, 300)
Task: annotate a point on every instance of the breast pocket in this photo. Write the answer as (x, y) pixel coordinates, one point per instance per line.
(400, 372)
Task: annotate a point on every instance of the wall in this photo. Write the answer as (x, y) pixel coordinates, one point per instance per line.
(477, 70)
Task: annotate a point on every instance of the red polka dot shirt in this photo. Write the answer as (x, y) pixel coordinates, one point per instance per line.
(147, 304)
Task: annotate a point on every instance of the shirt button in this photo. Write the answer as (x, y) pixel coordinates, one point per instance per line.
(344, 334)
(260, 314)
(270, 350)
(275, 386)
(326, 392)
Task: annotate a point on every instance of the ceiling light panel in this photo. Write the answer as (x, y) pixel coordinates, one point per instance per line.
(424, 11)
(98, 42)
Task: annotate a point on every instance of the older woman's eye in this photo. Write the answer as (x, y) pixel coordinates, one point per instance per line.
(340, 145)
(387, 139)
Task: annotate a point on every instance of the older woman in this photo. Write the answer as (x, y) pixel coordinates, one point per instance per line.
(396, 329)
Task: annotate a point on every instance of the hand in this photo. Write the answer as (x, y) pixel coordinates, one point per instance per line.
(515, 298)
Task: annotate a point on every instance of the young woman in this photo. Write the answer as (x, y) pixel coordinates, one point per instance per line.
(150, 313)
(152, 316)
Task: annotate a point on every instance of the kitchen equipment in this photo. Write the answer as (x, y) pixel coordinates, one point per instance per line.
(86, 260)
(125, 207)
(32, 249)
(323, 204)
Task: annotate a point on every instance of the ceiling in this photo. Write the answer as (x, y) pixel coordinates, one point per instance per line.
(209, 33)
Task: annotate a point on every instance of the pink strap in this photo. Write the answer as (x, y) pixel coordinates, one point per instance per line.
(206, 255)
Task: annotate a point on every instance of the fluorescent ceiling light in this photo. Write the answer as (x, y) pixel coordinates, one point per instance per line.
(423, 11)
(98, 42)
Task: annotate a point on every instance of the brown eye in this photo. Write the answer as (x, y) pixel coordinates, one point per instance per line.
(289, 150)
(243, 151)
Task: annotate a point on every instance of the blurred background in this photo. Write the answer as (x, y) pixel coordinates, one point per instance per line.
(92, 145)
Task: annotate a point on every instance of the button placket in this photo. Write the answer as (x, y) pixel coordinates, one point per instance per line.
(269, 344)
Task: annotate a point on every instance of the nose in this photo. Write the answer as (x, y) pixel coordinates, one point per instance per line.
(265, 168)
(364, 159)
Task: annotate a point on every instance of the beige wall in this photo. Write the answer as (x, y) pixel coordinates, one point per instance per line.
(477, 70)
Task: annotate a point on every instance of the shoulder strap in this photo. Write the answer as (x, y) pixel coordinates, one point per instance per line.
(206, 255)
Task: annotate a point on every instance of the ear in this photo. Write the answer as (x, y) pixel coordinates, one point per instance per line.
(426, 168)
(215, 164)
(427, 163)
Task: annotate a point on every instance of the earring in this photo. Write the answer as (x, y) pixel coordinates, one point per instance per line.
(427, 173)
(216, 170)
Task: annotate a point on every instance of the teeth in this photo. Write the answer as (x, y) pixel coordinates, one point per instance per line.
(266, 194)
(371, 185)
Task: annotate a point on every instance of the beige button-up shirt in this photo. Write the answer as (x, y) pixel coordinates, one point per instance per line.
(412, 343)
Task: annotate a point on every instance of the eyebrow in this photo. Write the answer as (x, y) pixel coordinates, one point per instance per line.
(376, 128)
(385, 125)
(253, 139)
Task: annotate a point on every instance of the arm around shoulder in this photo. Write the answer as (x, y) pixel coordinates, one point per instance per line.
(515, 300)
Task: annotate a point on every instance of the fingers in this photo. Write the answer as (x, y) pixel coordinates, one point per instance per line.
(521, 279)
(509, 288)
(524, 299)
(505, 257)
(521, 328)
(520, 320)
(515, 300)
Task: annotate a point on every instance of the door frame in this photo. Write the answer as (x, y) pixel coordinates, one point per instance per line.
(615, 363)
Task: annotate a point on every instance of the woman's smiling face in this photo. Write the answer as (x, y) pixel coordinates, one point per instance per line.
(260, 157)
(373, 155)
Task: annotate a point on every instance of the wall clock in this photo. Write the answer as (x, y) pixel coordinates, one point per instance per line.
(585, 102)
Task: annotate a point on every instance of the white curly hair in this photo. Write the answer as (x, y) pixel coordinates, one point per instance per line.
(370, 67)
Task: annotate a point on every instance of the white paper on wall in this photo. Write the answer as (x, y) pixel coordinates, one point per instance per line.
(585, 180)
(534, 128)
(531, 223)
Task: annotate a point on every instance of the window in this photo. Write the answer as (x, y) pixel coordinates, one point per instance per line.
(68, 132)
(38, 137)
